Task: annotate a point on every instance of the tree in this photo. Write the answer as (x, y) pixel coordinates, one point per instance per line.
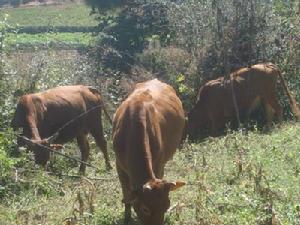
(103, 5)
(124, 27)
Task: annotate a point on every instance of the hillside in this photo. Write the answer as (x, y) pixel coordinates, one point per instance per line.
(234, 179)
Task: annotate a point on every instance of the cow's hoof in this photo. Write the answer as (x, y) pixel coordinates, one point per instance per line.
(126, 221)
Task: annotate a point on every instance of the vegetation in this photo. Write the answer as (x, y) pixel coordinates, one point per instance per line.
(216, 37)
(36, 27)
(234, 179)
(70, 40)
(58, 15)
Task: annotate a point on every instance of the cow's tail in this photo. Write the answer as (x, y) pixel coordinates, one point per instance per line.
(96, 91)
(292, 100)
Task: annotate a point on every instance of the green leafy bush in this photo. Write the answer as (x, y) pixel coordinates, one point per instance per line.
(8, 163)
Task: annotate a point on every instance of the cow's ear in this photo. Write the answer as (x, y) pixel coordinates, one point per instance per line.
(175, 185)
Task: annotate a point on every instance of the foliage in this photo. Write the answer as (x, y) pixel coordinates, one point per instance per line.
(127, 29)
(289, 47)
(225, 35)
(4, 83)
(222, 36)
(7, 144)
(102, 5)
(218, 36)
(172, 65)
(7, 163)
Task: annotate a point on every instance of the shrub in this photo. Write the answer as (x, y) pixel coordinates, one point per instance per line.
(7, 164)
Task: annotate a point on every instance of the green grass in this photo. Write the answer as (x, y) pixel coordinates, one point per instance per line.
(48, 39)
(235, 179)
(64, 15)
(68, 15)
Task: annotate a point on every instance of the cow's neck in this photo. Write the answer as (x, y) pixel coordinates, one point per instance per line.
(141, 171)
(35, 133)
(32, 119)
(33, 129)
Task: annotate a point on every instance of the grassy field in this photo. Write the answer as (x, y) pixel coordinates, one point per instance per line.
(235, 179)
(68, 15)
(231, 180)
(58, 15)
(49, 39)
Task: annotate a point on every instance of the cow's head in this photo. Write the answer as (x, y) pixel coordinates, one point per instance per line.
(27, 116)
(196, 120)
(152, 201)
(21, 120)
(39, 148)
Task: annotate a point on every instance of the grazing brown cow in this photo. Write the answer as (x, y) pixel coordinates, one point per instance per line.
(43, 114)
(148, 127)
(254, 85)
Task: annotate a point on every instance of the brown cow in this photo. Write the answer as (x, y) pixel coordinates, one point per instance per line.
(254, 85)
(42, 114)
(147, 129)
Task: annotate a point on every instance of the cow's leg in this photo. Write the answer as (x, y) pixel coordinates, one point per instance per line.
(127, 195)
(277, 107)
(269, 114)
(215, 127)
(85, 151)
(127, 216)
(212, 130)
(252, 106)
(97, 132)
(247, 120)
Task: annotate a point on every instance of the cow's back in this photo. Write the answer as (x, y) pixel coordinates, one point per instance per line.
(68, 103)
(247, 87)
(152, 108)
(259, 77)
(248, 84)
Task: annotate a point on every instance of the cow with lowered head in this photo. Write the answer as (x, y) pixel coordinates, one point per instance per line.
(74, 111)
(148, 127)
(250, 87)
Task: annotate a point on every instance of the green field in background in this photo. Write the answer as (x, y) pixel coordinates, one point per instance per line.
(84, 39)
(58, 15)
